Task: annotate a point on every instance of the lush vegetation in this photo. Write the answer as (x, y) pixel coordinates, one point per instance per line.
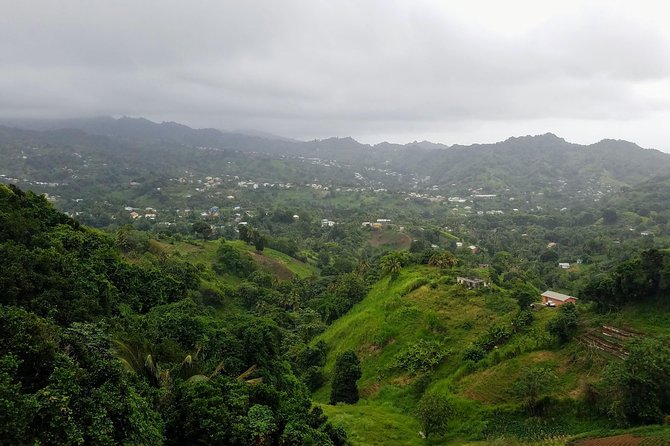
(241, 290)
(98, 348)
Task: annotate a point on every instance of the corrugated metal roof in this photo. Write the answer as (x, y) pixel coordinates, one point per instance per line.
(557, 296)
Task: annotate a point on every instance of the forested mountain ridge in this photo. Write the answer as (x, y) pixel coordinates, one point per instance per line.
(521, 164)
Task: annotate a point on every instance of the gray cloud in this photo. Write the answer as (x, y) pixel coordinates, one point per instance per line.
(373, 69)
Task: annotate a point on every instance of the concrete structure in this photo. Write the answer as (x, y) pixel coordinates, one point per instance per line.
(471, 283)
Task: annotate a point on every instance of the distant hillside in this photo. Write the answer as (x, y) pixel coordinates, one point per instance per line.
(652, 194)
(539, 161)
(544, 163)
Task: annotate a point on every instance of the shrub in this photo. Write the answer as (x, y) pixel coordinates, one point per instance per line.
(421, 356)
(434, 411)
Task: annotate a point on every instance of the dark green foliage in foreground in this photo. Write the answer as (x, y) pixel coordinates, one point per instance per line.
(95, 349)
(69, 389)
(347, 372)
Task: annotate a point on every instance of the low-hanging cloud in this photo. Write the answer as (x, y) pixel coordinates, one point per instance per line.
(318, 68)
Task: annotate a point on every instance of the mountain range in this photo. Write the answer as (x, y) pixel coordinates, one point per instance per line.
(543, 162)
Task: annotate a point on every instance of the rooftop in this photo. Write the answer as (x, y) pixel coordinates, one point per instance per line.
(557, 296)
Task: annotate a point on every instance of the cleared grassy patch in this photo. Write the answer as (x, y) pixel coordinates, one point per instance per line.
(277, 262)
(372, 425)
(390, 239)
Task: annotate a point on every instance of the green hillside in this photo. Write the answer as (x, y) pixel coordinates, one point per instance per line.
(411, 334)
(274, 262)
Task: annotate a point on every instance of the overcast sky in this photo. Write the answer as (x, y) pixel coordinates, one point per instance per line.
(447, 71)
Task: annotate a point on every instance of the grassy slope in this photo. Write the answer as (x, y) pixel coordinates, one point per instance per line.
(423, 303)
(273, 261)
(390, 319)
(278, 260)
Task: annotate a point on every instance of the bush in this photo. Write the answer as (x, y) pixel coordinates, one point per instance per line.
(230, 261)
(421, 356)
(532, 388)
(434, 411)
(474, 353)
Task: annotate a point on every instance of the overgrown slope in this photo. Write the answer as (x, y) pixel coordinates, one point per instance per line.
(412, 334)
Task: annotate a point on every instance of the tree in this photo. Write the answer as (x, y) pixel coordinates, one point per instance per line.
(532, 385)
(202, 228)
(261, 423)
(564, 325)
(259, 243)
(443, 260)
(549, 256)
(392, 263)
(524, 294)
(637, 389)
(229, 260)
(347, 372)
(252, 235)
(610, 216)
(434, 411)
(244, 233)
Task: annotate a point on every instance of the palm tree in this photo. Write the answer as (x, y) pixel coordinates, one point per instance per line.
(442, 260)
(391, 264)
(138, 359)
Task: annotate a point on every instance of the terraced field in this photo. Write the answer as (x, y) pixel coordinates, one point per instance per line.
(609, 340)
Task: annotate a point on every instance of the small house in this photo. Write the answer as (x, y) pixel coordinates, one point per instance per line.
(564, 265)
(557, 299)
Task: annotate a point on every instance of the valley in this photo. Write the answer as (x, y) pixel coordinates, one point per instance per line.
(221, 277)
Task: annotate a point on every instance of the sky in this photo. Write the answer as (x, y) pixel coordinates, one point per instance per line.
(386, 70)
